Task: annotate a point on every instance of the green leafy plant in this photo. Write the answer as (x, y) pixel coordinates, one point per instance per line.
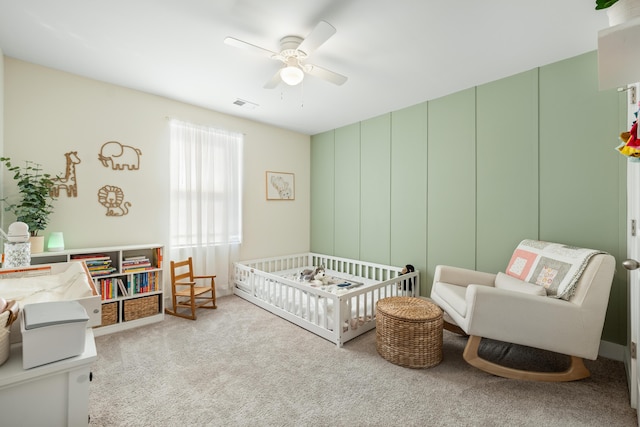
(34, 186)
(603, 4)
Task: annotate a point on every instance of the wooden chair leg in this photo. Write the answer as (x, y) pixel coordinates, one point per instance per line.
(576, 370)
(175, 311)
(452, 327)
(178, 314)
(193, 305)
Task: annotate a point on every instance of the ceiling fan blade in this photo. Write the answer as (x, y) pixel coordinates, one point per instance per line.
(274, 81)
(248, 46)
(320, 34)
(324, 74)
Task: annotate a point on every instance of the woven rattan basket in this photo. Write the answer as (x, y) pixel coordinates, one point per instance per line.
(140, 307)
(109, 313)
(409, 331)
(4, 337)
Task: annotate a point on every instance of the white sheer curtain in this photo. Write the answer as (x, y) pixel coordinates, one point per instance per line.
(206, 199)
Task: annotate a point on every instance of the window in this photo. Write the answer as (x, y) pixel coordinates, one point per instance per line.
(206, 186)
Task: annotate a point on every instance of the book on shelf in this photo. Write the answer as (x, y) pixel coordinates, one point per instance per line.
(137, 269)
(143, 282)
(91, 257)
(108, 289)
(136, 265)
(136, 262)
(123, 288)
(97, 262)
(97, 267)
(102, 272)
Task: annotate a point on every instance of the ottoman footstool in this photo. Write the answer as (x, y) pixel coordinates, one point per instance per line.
(409, 331)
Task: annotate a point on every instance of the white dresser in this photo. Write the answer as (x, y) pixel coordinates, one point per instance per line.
(55, 394)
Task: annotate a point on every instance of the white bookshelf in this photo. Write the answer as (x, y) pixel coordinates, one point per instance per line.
(140, 303)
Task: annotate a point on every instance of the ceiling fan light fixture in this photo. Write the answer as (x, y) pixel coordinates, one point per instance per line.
(291, 75)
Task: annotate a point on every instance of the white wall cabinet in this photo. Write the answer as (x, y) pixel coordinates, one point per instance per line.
(618, 59)
(129, 279)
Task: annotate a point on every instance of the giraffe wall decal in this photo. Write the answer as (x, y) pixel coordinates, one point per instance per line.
(68, 181)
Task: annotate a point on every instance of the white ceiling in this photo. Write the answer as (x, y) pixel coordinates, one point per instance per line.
(395, 53)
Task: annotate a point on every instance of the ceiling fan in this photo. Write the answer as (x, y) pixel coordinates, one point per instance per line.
(294, 51)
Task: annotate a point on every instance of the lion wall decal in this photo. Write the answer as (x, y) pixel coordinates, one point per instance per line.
(112, 198)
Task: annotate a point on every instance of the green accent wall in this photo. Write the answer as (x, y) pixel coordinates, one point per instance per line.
(323, 197)
(409, 188)
(580, 170)
(375, 197)
(506, 168)
(347, 189)
(451, 183)
(462, 179)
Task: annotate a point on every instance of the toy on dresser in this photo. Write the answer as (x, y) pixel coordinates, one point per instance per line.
(8, 314)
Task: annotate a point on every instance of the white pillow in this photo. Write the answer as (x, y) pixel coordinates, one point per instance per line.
(510, 283)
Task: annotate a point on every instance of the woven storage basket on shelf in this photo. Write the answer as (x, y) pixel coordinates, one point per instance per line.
(109, 313)
(4, 336)
(409, 331)
(140, 307)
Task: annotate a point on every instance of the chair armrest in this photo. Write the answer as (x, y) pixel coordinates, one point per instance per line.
(462, 276)
(204, 277)
(535, 321)
(184, 283)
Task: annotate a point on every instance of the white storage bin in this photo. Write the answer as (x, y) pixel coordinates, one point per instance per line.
(52, 331)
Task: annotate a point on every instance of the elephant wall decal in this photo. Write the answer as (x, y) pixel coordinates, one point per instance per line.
(119, 156)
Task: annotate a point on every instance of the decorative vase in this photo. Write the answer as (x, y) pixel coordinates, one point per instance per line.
(622, 11)
(37, 244)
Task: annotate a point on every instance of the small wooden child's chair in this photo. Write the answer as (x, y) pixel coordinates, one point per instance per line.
(184, 292)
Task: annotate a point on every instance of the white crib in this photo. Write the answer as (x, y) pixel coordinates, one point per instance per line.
(339, 310)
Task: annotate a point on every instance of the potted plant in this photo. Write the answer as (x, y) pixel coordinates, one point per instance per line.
(619, 11)
(603, 4)
(35, 204)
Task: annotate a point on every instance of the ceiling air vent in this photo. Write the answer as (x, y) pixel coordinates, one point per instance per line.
(247, 105)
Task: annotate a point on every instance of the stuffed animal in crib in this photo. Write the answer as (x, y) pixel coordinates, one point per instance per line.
(308, 274)
(319, 278)
(403, 284)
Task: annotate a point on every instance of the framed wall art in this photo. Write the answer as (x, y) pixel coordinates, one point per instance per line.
(280, 186)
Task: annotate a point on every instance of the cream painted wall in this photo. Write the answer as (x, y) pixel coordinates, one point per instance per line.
(48, 113)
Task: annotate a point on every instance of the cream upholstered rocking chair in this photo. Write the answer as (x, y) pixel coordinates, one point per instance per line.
(563, 313)
(184, 292)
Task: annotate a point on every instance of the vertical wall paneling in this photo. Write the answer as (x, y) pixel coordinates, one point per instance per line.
(375, 192)
(578, 203)
(452, 182)
(322, 192)
(409, 189)
(507, 167)
(529, 156)
(347, 192)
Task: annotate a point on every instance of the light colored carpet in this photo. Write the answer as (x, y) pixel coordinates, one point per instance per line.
(240, 365)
